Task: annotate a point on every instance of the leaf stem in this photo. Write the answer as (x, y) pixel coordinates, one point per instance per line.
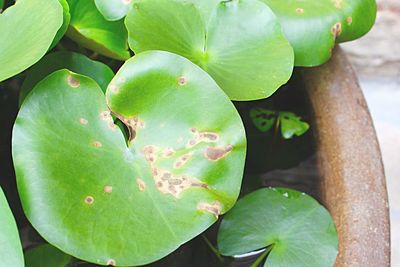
(212, 248)
(262, 257)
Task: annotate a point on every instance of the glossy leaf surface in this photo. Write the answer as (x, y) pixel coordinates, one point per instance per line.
(27, 31)
(10, 245)
(313, 27)
(300, 231)
(239, 43)
(90, 29)
(128, 205)
(64, 27)
(46, 256)
(113, 10)
(75, 62)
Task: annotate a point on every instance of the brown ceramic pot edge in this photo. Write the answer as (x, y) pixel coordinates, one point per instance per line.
(352, 185)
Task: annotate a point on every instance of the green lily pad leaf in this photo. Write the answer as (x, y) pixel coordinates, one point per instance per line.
(128, 204)
(64, 27)
(239, 43)
(10, 245)
(90, 29)
(292, 125)
(37, 26)
(75, 62)
(1, 4)
(297, 227)
(313, 27)
(113, 10)
(46, 256)
(263, 119)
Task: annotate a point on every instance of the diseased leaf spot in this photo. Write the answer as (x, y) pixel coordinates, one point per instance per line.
(337, 3)
(133, 125)
(300, 10)
(106, 116)
(182, 80)
(182, 160)
(336, 29)
(216, 153)
(74, 83)
(349, 20)
(141, 184)
(89, 200)
(83, 121)
(113, 88)
(108, 189)
(111, 262)
(214, 208)
(97, 144)
(168, 152)
(206, 137)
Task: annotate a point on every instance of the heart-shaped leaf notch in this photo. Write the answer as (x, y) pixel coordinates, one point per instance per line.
(37, 26)
(295, 229)
(313, 27)
(239, 43)
(128, 205)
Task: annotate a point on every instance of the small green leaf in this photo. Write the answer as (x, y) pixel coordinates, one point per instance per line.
(300, 231)
(128, 205)
(46, 256)
(10, 245)
(113, 10)
(64, 27)
(75, 62)
(90, 29)
(263, 119)
(292, 125)
(313, 27)
(27, 31)
(239, 43)
(1, 4)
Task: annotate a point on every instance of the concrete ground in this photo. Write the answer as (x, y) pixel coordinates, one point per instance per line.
(376, 58)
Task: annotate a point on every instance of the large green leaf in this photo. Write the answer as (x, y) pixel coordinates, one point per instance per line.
(90, 29)
(239, 43)
(96, 198)
(27, 30)
(75, 62)
(64, 27)
(113, 10)
(300, 231)
(313, 27)
(46, 256)
(10, 245)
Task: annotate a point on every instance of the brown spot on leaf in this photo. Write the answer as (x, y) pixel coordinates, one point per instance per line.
(349, 20)
(74, 83)
(214, 208)
(133, 125)
(141, 184)
(83, 121)
(89, 200)
(182, 160)
(336, 29)
(182, 80)
(113, 88)
(300, 10)
(168, 152)
(216, 153)
(108, 189)
(97, 144)
(111, 262)
(337, 3)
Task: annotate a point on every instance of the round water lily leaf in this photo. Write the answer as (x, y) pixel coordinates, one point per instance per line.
(10, 245)
(300, 231)
(128, 204)
(64, 27)
(46, 256)
(313, 27)
(113, 10)
(239, 43)
(37, 26)
(90, 29)
(75, 62)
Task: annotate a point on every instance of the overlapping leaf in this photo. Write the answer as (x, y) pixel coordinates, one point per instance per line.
(239, 43)
(182, 167)
(313, 27)
(46, 256)
(113, 10)
(27, 31)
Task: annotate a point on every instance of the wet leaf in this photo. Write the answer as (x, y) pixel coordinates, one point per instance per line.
(300, 231)
(37, 26)
(313, 27)
(90, 29)
(239, 43)
(10, 245)
(46, 256)
(134, 204)
(113, 10)
(75, 62)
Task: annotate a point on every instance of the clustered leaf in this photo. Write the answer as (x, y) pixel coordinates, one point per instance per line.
(46, 256)
(300, 231)
(113, 10)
